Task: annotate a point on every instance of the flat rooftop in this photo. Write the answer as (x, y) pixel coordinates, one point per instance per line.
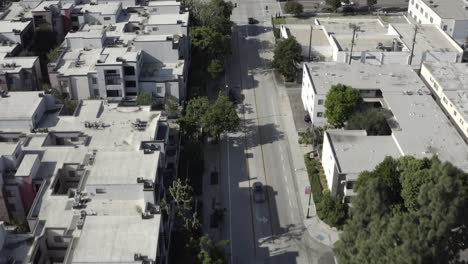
(8, 26)
(44, 5)
(163, 3)
(115, 239)
(124, 167)
(421, 122)
(453, 79)
(372, 149)
(118, 135)
(112, 56)
(26, 166)
(19, 105)
(343, 25)
(429, 37)
(168, 19)
(109, 8)
(78, 62)
(453, 9)
(16, 64)
(302, 34)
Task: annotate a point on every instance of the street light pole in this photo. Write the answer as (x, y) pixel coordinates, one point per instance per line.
(354, 27)
(310, 41)
(414, 43)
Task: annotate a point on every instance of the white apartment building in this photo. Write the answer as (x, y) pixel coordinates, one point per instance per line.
(419, 127)
(449, 15)
(449, 83)
(18, 73)
(88, 185)
(374, 43)
(140, 53)
(16, 32)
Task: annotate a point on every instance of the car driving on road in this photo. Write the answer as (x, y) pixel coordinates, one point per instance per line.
(258, 193)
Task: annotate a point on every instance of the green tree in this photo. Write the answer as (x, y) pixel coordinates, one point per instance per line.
(432, 230)
(212, 252)
(341, 102)
(195, 111)
(334, 4)
(413, 175)
(53, 54)
(144, 99)
(215, 69)
(171, 106)
(371, 4)
(221, 117)
(209, 43)
(181, 194)
(215, 15)
(331, 210)
(374, 121)
(293, 7)
(287, 54)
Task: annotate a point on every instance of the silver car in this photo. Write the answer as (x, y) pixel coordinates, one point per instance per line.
(258, 193)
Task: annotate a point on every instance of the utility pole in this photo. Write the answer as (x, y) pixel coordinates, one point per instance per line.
(414, 43)
(354, 27)
(310, 41)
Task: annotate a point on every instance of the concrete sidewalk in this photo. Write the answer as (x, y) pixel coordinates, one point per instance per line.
(316, 228)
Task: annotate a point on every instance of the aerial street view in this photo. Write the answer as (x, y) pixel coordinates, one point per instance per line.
(233, 132)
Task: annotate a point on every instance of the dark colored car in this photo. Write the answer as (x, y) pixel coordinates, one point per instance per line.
(258, 193)
(232, 95)
(252, 21)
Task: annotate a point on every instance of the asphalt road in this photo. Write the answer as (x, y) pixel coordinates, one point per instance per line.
(273, 231)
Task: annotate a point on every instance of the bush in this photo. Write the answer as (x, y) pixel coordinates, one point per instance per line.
(144, 99)
(294, 8)
(331, 210)
(314, 178)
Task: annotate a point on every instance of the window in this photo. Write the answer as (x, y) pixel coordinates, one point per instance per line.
(130, 94)
(159, 89)
(436, 86)
(100, 190)
(319, 114)
(74, 19)
(461, 121)
(113, 93)
(454, 113)
(445, 100)
(431, 19)
(320, 102)
(130, 84)
(422, 10)
(155, 28)
(445, 28)
(410, 13)
(129, 70)
(426, 15)
(112, 77)
(417, 6)
(96, 92)
(412, 2)
(94, 80)
(107, 18)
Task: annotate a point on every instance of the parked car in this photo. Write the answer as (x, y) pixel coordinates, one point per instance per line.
(252, 21)
(258, 193)
(232, 95)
